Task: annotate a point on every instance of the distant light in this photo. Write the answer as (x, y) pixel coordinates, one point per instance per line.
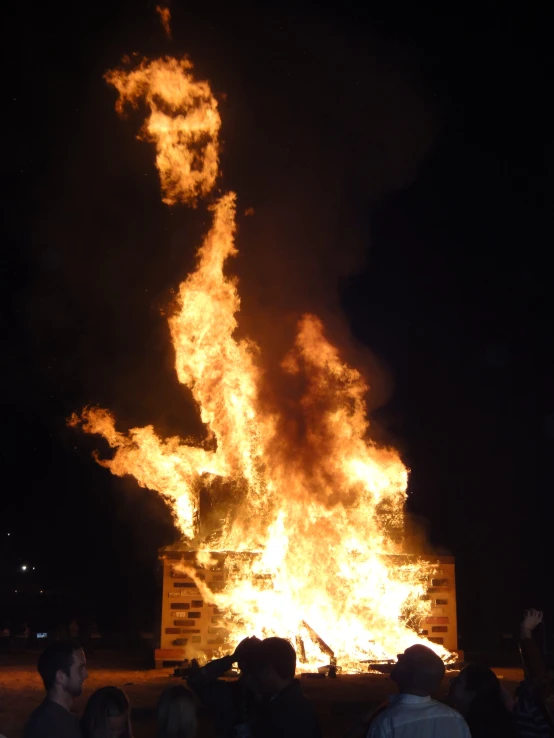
(9, 534)
(24, 567)
(33, 568)
(15, 590)
(42, 591)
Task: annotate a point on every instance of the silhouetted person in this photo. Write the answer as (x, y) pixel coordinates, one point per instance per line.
(412, 713)
(62, 633)
(107, 714)
(285, 712)
(95, 637)
(476, 693)
(176, 714)
(63, 669)
(73, 630)
(5, 639)
(22, 637)
(230, 704)
(534, 710)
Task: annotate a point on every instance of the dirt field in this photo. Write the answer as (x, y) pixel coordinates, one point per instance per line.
(337, 701)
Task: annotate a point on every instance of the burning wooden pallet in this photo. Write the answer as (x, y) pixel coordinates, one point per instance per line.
(193, 628)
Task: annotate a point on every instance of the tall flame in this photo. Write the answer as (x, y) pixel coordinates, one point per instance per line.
(313, 509)
(184, 124)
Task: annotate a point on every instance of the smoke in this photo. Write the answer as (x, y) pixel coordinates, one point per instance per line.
(320, 123)
(417, 537)
(344, 122)
(349, 123)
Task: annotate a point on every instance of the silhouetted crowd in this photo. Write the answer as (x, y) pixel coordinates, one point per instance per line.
(267, 701)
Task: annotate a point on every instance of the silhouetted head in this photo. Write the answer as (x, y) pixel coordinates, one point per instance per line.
(276, 665)
(63, 668)
(107, 714)
(418, 671)
(176, 713)
(475, 681)
(477, 694)
(250, 652)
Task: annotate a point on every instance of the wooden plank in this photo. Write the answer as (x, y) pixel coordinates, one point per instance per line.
(163, 652)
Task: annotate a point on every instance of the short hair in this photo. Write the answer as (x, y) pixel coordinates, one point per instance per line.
(280, 654)
(250, 655)
(176, 713)
(56, 657)
(105, 703)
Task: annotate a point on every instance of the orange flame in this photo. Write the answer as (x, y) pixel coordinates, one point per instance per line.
(184, 124)
(319, 505)
(165, 17)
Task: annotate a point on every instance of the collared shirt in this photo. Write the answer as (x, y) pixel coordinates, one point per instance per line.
(409, 716)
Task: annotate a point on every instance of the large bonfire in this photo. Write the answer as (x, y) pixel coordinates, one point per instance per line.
(313, 510)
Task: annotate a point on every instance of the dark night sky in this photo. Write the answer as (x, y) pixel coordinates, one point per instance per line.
(399, 164)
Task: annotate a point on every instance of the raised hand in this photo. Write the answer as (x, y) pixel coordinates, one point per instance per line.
(531, 618)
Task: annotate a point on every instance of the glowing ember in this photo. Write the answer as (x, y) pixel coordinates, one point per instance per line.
(313, 509)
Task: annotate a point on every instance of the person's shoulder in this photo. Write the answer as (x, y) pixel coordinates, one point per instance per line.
(32, 727)
(293, 694)
(307, 707)
(294, 712)
(383, 719)
(381, 724)
(456, 721)
(294, 698)
(445, 710)
(50, 719)
(399, 714)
